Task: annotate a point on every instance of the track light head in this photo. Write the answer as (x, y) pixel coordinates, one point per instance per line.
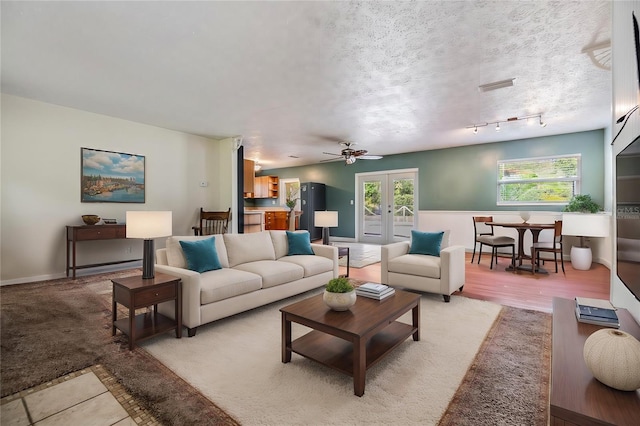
(497, 127)
(475, 130)
(542, 123)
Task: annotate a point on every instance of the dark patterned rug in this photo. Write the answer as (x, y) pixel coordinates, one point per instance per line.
(508, 382)
(53, 328)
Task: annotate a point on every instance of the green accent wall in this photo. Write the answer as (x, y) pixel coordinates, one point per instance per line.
(459, 179)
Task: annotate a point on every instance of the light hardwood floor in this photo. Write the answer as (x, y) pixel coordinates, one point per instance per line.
(522, 289)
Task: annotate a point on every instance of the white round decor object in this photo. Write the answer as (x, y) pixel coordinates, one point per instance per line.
(339, 301)
(613, 356)
(525, 216)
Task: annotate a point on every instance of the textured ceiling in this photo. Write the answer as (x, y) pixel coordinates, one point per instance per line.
(294, 77)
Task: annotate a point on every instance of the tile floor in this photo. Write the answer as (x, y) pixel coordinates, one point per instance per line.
(87, 397)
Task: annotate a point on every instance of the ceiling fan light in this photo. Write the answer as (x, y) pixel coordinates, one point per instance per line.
(350, 159)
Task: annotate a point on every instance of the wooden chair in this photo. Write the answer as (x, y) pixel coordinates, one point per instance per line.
(213, 222)
(484, 235)
(554, 246)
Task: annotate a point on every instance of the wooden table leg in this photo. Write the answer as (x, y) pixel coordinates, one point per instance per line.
(359, 366)
(132, 325)
(416, 321)
(286, 339)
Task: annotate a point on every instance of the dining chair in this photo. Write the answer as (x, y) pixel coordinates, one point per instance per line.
(213, 222)
(554, 246)
(485, 236)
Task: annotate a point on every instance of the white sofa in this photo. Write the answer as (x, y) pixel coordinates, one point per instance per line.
(433, 274)
(256, 270)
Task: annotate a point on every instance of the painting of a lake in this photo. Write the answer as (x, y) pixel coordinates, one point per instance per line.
(113, 177)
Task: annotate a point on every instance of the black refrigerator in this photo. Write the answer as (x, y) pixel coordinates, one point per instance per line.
(312, 198)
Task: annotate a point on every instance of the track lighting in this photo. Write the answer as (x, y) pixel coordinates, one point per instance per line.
(508, 120)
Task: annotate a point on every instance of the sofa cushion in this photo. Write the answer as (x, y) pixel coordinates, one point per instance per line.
(244, 248)
(299, 243)
(201, 255)
(312, 265)
(427, 243)
(415, 264)
(225, 283)
(175, 255)
(273, 272)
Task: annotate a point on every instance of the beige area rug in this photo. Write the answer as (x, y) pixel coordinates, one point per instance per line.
(360, 255)
(236, 362)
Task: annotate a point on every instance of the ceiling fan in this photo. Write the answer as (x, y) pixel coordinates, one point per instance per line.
(350, 155)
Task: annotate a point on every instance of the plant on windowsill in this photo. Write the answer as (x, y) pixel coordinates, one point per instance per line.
(339, 294)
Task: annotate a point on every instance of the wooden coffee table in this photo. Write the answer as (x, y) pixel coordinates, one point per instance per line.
(351, 341)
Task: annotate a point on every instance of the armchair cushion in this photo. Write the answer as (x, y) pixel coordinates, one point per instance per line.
(299, 243)
(426, 242)
(201, 255)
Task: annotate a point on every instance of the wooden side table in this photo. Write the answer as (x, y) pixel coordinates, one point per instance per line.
(342, 252)
(577, 398)
(135, 293)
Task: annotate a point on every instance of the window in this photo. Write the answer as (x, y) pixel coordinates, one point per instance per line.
(542, 180)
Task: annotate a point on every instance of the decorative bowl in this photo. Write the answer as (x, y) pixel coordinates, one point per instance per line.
(339, 301)
(90, 219)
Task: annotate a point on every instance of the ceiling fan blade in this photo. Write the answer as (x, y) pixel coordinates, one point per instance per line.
(331, 153)
(331, 159)
(359, 152)
(369, 157)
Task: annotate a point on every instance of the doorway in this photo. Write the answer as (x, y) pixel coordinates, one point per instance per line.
(387, 206)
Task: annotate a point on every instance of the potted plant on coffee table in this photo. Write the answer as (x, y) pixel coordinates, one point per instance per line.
(339, 294)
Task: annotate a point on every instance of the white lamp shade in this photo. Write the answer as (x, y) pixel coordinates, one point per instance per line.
(585, 224)
(148, 225)
(325, 219)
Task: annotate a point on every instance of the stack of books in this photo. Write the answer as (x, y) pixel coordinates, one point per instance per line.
(596, 311)
(375, 291)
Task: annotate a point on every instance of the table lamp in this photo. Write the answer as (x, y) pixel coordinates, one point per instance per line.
(148, 225)
(325, 220)
(584, 225)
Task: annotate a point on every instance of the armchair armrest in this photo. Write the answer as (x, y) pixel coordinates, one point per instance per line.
(452, 268)
(190, 295)
(330, 252)
(388, 252)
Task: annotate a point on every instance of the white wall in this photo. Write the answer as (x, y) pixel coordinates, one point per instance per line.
(40, 181)
(625, 95)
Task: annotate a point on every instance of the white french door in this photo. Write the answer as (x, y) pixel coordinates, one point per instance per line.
(387, 207)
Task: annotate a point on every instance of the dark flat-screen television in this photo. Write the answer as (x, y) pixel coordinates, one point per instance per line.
(628, 216)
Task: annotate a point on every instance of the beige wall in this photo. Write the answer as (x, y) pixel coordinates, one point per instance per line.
(40, 182)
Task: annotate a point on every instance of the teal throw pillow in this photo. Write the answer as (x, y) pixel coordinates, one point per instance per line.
(201, 255)
(426, 243)
(299, 243)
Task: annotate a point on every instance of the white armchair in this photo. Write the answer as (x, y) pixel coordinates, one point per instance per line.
(433, 274)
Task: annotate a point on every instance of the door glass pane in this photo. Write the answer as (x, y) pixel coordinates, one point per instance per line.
(371, 208)
(403, 206)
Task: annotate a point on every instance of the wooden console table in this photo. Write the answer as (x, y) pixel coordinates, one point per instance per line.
(88, 233)
(577, 398)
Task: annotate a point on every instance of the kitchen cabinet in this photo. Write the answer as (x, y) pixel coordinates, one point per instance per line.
(276, 220)
(253, 221)
(249, 177)
(266, 187)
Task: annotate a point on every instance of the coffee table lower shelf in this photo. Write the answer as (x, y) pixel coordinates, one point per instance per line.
(337, 353)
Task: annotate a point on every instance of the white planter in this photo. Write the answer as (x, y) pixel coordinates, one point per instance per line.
(613, 357)
(339, 301)
(581, 258)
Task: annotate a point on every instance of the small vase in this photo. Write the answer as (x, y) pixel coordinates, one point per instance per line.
(613, 357)
(525, 216)
(339, 301)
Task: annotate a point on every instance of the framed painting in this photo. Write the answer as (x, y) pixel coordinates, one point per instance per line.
(111, 177)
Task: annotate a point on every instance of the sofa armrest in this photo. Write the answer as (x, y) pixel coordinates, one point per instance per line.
(452, 268)
(330, 252)
(388, 252)
(190, 294)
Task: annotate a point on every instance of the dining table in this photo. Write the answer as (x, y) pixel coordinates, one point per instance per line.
(523, 227)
